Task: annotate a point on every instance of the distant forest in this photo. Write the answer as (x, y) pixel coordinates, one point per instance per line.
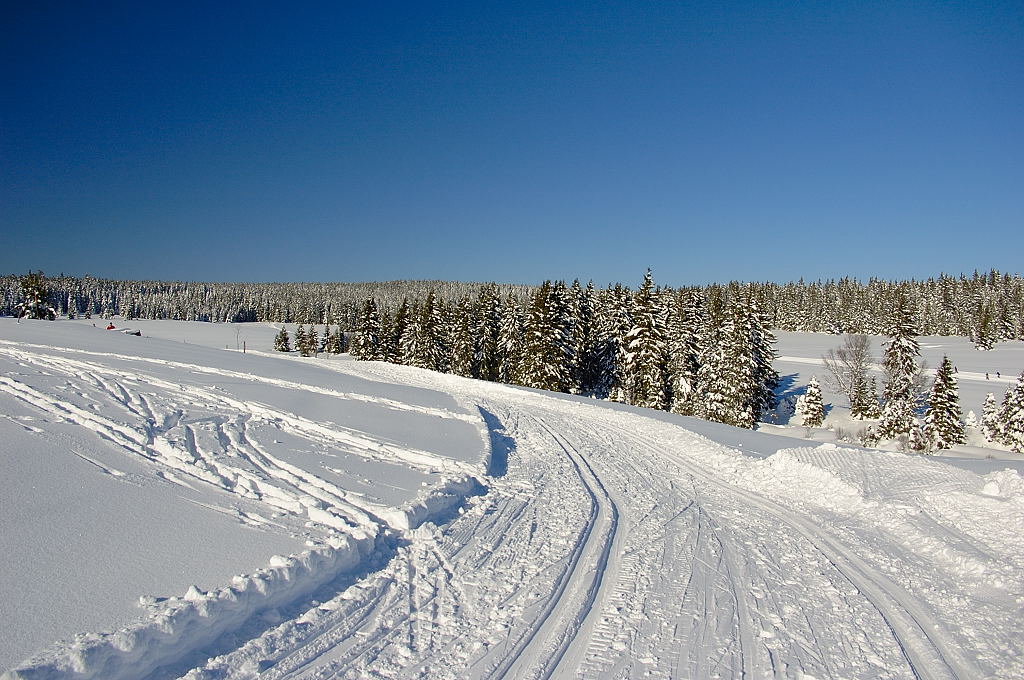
(986, 307)
(701, 351)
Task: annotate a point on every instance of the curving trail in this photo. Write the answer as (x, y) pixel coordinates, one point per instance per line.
(616, 546)
(608, 544)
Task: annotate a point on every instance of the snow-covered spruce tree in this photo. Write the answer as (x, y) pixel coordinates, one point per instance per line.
(809, 406)
(427, 346)
(546, 353)
(917, 439)
(983, 331)
(943, 424)
(34, 303)
(615, 319)
(725, 381)
(312, 342)
(463, 348)
(300, 338)
(870, 404)
(1011, 417)
(579, 330)
(990, 418)
(487, 332)
(401, 321)
(591, 354)
(510, 342)
(901, 367)
(408, 341)
(646, 350)
(333, 343)
(368, 344)
(686, 326)
(282, 343)
(762, 346)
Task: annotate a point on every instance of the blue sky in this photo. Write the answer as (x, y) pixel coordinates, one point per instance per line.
(512, 141)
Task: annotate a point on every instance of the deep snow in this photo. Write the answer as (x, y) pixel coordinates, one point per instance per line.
(444, 527)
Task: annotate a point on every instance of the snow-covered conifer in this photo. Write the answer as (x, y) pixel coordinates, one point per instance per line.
(35, 303)
(333, 342)
(943, 426)
(487, 332)
(901, 367)
(810, 406)
(310, 343)
(281, 341)
(685, 328)
(1011, 417)
(646, 350)
(463, 350)
(546, 351)
(368, 344)
(990, 418)
(510, 342)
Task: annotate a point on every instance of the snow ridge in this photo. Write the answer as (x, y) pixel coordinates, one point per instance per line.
(175, 627)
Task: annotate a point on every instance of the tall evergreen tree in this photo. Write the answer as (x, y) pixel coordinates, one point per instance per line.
(428, 347)
(334, 343)
(943, 424)
(510, 342)
(369, 344)
(546, 355)
(301, 340)
(616, 323)
(281, 341)
(901, 354)
(646, 350)
(990, 419)
(765, 379)
(35, 303)
(397, 331)
(463, 349)
(1011, 417)
(685, 330)
(487, 333)
(311, 343)
(725, 380)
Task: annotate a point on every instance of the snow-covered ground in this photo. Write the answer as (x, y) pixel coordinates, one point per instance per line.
(357, 519)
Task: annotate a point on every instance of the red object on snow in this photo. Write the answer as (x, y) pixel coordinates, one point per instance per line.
(110, 327)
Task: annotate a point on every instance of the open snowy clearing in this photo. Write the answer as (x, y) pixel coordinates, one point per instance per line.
(593, 540)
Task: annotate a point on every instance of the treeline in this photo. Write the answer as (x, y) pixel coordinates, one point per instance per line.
(678, 350)
(987, 307)
(307, 303)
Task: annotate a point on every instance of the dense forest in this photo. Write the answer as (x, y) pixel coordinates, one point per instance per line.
(986, 307)
(700, 351)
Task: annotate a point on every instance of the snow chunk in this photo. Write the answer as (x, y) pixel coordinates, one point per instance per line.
(1005, 483)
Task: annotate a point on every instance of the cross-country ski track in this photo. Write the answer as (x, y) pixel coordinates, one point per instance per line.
(592, 541)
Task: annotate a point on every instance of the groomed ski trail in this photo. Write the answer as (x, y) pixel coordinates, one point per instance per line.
(617, 546)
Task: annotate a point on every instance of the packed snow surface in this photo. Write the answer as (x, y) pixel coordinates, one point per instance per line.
(325, 518)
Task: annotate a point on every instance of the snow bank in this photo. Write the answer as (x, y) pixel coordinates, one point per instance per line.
(813, 482)
(179, 625)
(438, 501)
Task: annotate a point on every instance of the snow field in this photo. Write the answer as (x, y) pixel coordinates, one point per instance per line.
(226, 424)
(610, 542)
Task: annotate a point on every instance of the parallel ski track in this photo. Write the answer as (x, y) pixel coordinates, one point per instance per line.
(927, 648)
(574, 605)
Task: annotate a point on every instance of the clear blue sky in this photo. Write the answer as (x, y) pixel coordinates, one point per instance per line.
(512, 141)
